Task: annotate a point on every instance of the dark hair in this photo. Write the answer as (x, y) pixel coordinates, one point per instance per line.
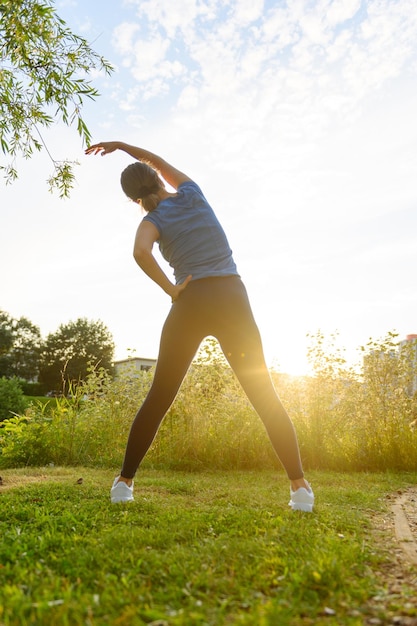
(141, 182)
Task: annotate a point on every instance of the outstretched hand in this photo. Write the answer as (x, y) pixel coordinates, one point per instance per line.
(178, 289)
(104, 147)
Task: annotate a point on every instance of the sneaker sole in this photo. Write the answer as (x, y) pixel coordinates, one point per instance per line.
(302, 506)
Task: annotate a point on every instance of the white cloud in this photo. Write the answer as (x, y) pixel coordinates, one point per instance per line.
(338, 48)
(128, 102)
(278, 30)
(341, 10)
(123, 36)
(149, 57)
(189, 98)
(327, 58)
(169, 16)
(247, 11)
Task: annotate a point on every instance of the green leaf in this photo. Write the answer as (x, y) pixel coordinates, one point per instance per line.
(42, 64)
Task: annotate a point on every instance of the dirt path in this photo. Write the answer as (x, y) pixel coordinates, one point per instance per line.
(396, 535)
(405, 523)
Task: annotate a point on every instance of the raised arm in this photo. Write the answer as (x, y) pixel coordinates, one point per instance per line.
(172, 176)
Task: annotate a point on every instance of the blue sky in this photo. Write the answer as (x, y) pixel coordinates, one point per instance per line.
(298, 121)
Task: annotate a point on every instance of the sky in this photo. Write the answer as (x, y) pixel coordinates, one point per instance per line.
(297, 119)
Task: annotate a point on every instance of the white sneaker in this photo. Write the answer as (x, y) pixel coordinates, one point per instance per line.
(121, 492)
(302, 499)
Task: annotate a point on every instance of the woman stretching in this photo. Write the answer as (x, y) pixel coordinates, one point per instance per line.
(208, 298)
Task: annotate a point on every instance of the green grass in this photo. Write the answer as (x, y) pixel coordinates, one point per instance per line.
(42, 401)
(200, 549)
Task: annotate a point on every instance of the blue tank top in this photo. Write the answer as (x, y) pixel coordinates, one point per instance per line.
(191, 238)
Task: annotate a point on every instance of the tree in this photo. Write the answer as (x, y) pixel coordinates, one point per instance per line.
(69, 354)
(20, 344)
(6, 337)
(25, 353)
(6, 341)
(11, 398)
(43, 78)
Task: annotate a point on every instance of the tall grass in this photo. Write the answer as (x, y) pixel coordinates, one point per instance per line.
(356, 419)
(346, 419)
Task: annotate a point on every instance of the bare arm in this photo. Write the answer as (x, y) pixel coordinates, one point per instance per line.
(172, 176)
(146, 235)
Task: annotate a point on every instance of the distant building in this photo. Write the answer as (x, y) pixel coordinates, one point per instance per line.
(411, 342)
(133, 364)
(380, 361)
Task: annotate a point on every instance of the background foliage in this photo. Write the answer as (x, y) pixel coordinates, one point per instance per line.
(43, 79)
(346, 420)
(59, 361)
(68, 353)
(20, 347)
(11, 398)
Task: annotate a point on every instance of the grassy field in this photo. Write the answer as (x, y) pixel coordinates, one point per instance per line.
(220, 548)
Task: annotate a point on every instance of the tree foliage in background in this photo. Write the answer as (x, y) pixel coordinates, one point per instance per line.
(11, 398)
(6, 337)
(20, 346)
(43, 78)
(69, 354)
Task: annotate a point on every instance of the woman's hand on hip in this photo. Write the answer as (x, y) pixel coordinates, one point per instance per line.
(178, 289)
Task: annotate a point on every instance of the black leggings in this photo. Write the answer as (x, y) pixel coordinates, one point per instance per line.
(218, 307)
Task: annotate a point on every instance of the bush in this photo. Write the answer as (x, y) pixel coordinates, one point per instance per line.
(89, 427)
(11, 398)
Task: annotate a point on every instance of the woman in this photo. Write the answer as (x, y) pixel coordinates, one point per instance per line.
(208, 298)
